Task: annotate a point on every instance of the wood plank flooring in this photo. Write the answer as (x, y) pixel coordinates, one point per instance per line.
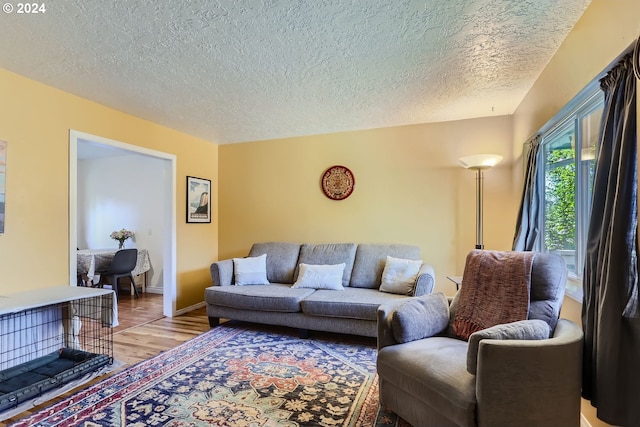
(143, 332)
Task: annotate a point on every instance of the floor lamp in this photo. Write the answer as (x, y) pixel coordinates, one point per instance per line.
(479, 163)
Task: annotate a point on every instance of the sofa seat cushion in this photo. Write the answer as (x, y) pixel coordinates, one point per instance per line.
(273, 297)
(445, 383)
(351, 303)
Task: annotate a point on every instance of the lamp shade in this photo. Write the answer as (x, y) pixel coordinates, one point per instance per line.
(480, 161)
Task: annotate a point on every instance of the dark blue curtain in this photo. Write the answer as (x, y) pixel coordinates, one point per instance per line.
(527, 222)
(611, 365)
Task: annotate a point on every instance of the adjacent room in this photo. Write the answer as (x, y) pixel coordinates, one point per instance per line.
(408, 213)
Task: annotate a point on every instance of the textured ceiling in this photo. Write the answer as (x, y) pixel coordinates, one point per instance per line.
(233, 71)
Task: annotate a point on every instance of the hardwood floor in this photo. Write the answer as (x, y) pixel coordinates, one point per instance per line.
(137, 311)
(143, 332)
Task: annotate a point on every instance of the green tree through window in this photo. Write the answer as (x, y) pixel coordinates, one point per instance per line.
(560, 193)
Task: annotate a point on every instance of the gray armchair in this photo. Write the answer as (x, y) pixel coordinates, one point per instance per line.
(506, 375)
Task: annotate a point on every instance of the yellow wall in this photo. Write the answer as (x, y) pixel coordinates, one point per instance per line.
(35, 120)
(605, 30)
(408, 186)
(409, 189)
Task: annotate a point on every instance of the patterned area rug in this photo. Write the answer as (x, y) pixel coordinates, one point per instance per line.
(236, 375)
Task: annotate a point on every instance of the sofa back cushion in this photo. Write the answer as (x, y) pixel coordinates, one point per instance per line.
(329, 253)
(548, 280)
(370, 261)
(282, 259)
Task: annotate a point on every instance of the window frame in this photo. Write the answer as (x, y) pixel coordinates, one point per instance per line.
(571, 117)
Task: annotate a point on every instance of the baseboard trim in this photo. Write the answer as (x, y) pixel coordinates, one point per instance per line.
(154, 290)
(195, 307)
(583, 421)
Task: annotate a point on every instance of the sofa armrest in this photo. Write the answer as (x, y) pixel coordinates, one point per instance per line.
(385, 315)
(531, 382)
(426, 281)
(222, 273)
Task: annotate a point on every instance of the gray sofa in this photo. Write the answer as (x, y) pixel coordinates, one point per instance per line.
(352, 310)
(501, 377)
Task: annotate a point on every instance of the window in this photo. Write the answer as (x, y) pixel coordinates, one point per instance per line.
(569, 151)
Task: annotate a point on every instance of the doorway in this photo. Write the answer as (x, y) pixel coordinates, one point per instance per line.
(80, 142)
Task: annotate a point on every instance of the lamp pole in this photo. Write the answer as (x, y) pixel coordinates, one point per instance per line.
(479, 163)
(479, 198)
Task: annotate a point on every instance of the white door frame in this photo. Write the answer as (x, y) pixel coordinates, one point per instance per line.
(169, 245)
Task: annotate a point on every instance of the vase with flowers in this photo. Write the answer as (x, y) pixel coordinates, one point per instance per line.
(121, 236)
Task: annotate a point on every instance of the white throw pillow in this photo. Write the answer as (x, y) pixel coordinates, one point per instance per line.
(399, 275)
(250, 270)
(320, 276)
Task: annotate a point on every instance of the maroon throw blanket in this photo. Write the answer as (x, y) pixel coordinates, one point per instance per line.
(495, 290)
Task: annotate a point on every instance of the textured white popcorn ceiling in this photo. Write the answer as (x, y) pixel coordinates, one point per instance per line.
(233, 71)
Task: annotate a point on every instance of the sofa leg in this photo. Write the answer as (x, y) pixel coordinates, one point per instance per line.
(214, 321)
(303, 333)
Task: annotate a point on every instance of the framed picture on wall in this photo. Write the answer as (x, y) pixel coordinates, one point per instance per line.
(198, 196)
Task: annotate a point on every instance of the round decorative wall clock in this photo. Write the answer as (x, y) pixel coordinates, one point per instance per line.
(338, 182)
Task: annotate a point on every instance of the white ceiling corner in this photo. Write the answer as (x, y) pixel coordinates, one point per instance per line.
(233, 71)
